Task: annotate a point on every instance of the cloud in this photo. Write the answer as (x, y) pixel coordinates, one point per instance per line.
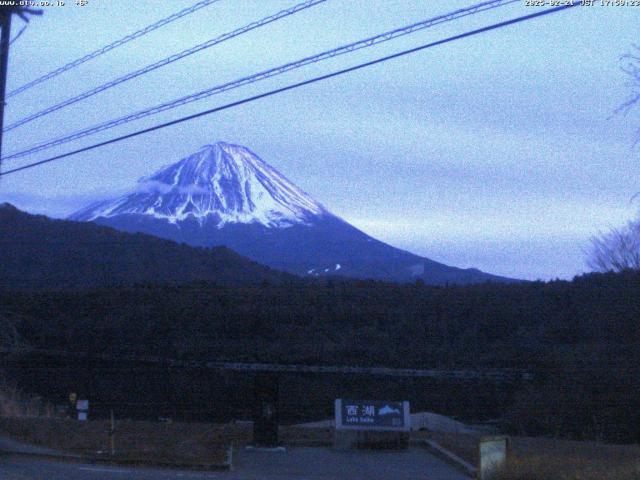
(153, 186)
(54, 206)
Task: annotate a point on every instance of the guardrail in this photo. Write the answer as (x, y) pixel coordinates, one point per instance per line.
(458, 374)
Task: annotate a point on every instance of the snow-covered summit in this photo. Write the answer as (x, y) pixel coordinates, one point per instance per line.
(221, 183)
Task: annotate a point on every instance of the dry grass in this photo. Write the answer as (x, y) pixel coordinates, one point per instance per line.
(13, 403)
(205, 443)
(175, 442)
(578, 467)
(183, 443)
(552, 459)
(546, 459)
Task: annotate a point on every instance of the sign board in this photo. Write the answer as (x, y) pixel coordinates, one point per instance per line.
(82, 405)
(82, 416)
(493, 456)
(372, 415)
(73, 397)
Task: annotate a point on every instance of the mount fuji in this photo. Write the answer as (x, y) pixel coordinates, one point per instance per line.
(224, 194)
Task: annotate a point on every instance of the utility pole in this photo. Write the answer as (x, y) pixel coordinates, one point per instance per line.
(5, 40)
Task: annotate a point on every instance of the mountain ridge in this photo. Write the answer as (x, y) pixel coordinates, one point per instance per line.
(37, 252)
(225, 194)
(223, 183)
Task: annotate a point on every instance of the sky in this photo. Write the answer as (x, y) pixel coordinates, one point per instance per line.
(500, 151)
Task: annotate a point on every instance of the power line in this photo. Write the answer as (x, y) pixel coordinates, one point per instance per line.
(24, 27)
(351, 47)
(296, 85)
(166, 61)
(113, 45)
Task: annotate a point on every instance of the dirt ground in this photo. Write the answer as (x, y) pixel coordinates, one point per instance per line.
(552, 459)
(175, 442)
(208, 444)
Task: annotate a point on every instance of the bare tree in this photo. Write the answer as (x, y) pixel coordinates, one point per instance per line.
(631, 67)
(617, 251)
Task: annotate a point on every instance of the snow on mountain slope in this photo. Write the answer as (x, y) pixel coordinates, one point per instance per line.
(225, 195)
(221, 183)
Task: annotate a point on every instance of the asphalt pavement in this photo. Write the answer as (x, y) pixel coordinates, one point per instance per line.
(293, 464)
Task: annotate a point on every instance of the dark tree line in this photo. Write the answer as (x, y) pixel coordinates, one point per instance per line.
(581, 339)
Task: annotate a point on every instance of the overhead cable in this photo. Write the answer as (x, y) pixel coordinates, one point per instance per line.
(166, 61)
(294, 86)
(263, 75)
(111, 46)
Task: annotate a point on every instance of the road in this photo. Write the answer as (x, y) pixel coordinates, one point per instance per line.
(294, 464)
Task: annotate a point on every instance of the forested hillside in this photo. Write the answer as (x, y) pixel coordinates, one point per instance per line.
(37, 252)
(580, 339)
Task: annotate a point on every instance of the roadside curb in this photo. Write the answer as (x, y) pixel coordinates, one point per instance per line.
(72, 458)
(448, 456)
(43, 456)
(200, 467)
